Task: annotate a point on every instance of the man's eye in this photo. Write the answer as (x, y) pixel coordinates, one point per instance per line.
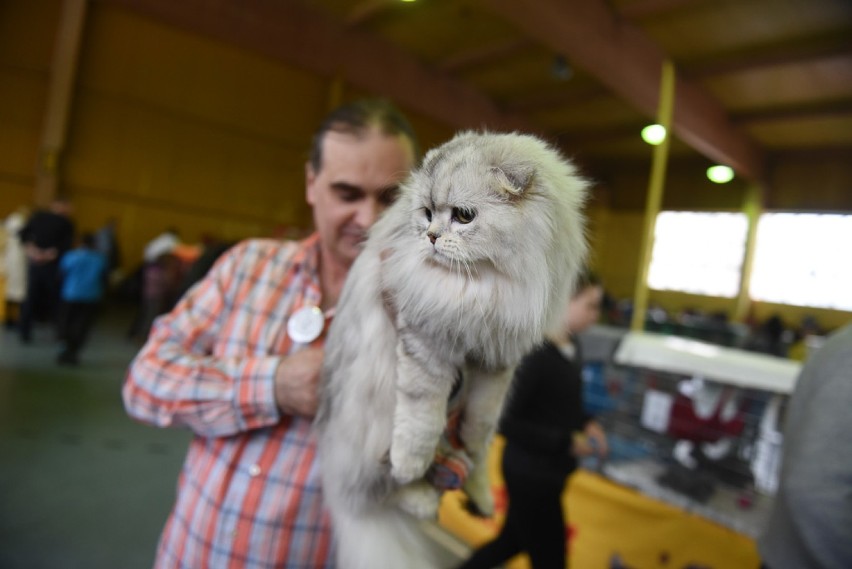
(387, 198)
(463, 215)
(349, 195)
(428, 213)
(347, 192)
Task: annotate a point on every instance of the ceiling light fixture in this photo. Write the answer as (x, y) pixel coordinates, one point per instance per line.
(720, 174)
(654, 134)
(560, 69)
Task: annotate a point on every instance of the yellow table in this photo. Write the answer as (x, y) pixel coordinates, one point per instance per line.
(608, 520)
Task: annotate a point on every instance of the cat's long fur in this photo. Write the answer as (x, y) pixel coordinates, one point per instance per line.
(413, 313)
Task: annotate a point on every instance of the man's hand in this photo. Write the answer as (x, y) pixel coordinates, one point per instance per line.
(297, 383)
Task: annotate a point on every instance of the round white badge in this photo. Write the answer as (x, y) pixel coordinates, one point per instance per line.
(306, 324)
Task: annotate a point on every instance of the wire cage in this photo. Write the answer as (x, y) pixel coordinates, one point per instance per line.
(694, 424)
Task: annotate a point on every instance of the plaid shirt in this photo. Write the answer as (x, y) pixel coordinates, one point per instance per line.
(248, 494)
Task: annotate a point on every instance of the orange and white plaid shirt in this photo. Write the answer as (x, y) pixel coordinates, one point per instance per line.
(249, 492)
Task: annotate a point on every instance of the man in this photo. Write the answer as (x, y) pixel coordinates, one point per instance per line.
(238, 361)
(47, 235)
(811, 518)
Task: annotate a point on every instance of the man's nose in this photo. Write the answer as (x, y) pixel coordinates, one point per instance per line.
(368, 213)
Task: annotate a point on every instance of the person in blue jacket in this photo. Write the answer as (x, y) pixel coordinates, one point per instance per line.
(84, 273)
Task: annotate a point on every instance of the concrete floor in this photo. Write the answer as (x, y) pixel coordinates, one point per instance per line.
(81, 485)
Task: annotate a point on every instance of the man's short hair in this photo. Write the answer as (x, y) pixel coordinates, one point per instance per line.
(356, 118)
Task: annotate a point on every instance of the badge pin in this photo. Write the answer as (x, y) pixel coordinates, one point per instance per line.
(306, 324)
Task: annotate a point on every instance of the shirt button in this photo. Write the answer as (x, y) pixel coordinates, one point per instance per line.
(254, 470)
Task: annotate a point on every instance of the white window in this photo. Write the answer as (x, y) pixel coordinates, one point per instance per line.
(804, 260)
(698, 253)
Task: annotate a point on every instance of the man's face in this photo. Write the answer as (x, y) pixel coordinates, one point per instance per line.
(358, 179)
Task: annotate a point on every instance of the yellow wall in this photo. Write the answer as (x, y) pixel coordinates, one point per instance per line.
(27, 30)
(813, 181)
(166, 129)
(169, 128)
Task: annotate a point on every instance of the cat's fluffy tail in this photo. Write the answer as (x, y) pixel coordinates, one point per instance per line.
(384, 538)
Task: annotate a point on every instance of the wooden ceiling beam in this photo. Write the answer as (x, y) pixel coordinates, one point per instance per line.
(787, 52)
(625, 60)
(573, 95)
(483, 55)
(365, 11)
(649, 8)
(297, 35)
(839, 108)
(614, 133)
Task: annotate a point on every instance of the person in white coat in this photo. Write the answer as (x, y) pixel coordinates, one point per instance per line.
(14, 264)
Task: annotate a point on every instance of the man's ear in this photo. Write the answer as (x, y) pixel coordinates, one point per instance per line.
(310, 179)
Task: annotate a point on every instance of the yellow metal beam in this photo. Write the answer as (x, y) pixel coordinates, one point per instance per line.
(665, 110)
(752, 207)
(63, 73)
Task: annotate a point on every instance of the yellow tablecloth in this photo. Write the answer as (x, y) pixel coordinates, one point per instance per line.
(608, 520)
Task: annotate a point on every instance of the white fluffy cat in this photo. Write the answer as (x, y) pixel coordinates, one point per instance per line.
(464, 273)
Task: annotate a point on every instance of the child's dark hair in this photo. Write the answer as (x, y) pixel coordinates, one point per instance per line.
(88, 240)
(587, 278)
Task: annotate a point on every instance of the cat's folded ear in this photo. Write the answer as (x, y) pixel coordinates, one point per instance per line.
(514, 179)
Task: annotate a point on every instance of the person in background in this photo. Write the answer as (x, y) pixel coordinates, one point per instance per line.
(106, 242)
(546, 430)
(157, 281)
(84, 272)
(47, 235)
(15, 265)
(162, 244)
(213, 249)
(160, 282)
(811, 520)
(238, 361)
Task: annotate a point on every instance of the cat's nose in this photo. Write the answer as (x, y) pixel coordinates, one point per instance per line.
(432, 237)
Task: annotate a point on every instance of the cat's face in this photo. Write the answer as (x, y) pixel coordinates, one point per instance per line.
(471, 206)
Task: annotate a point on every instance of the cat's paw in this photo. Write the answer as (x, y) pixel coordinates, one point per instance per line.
(419, 499)
(479, 495)
(407, 467)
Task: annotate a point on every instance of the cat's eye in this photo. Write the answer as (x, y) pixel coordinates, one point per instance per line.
(428, 213)
(463, 215)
